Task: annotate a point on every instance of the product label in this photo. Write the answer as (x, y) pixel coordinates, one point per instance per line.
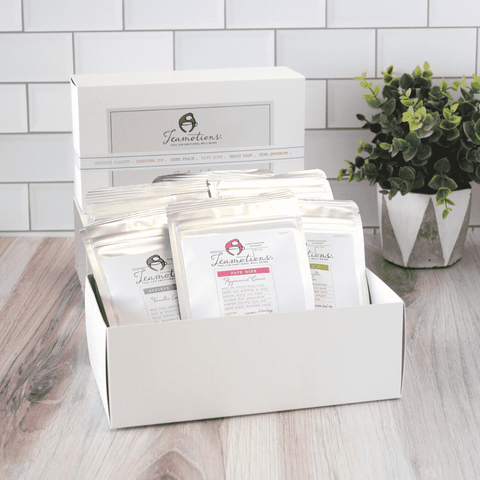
(248, 273)
(239, 158)
(246, 291)
(143, 287)
(332, 266)
(190, 128)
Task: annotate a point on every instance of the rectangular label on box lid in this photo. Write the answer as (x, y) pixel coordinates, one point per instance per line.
(190, 128)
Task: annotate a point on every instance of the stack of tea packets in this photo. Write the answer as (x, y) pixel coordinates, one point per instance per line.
(224, 243)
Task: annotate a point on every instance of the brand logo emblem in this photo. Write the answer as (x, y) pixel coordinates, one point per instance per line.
(187, 121)
(156, 261)
(234, 247)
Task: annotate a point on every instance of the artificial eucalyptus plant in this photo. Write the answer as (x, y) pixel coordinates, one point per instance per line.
(425, 141)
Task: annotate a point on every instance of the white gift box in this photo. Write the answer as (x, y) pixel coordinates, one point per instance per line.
(198, 369)
(133, 126)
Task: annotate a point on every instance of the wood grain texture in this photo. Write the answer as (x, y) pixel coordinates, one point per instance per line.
(53, 426)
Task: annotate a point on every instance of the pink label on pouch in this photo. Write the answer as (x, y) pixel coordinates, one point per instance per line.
(246, 271)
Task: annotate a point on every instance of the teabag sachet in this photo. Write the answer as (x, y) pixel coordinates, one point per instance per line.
(213, 175)
(117, 201)
(132, 263)
(240, 256)
(306, 184)
(336, 252)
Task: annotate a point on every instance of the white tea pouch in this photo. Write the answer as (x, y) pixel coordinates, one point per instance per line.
(306, 184)
(210, 175)
(132, 263)
(240, 256)
(336, 252)
(117, 201)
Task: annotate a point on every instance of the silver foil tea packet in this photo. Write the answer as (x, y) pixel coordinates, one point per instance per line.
(306, 184)
(210, 175)
(132, 263)
(336, 252)
(240, 256)
(117, 201)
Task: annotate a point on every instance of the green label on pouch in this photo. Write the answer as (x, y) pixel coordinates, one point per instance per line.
(319, 266)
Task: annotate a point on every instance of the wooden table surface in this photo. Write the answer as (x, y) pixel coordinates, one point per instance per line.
(53, 426)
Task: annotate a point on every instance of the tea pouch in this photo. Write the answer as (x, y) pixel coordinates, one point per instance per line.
(118, 201)
(240, 256)
(213, 175)
(336, 252)
(306, 184)
(132, 263)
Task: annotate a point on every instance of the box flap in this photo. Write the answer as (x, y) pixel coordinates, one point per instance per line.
(96, 340)
(197, 369)
(381, 293)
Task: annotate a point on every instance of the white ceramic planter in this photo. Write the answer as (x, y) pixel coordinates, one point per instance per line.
(414, 234)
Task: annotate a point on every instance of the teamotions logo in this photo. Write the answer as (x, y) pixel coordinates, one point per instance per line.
(187, 120)
(234, 247)
(156, 261)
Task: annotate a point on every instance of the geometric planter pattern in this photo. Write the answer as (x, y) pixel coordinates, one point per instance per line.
(414, 234)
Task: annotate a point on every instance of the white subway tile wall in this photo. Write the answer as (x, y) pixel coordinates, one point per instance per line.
(68, 15)
(275, 14)
(43, 42)
(174, 15)
(109, 52)
(224, 49)
(49, 107)
(13, 104)
(11, 18)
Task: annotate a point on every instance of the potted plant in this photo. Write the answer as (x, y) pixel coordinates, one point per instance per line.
(423, 157)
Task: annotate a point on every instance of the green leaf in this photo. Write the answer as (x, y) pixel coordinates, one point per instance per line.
(442, 165)
(466, 166)
(361, 117)
(435, 92)
(413, 140)
(389, 106)
(426, 66)
(400, 144)
(419, 181)
(446, 93)
(456, 85)
(436, 136)
(442, 194)
(372, 100)
(477, 129)
(417, 72)
(442, 181)
(385, 146)
(450, 124)
(466, 95)
(396, 182)
(407, 174)
(443, 84)
(409, 153)
(469, 129)
(406, 81)
(471, 156)
(476, 86)
(364, 74)
(376, 90)
(424, 153)
(370, 170)
(452, 134)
